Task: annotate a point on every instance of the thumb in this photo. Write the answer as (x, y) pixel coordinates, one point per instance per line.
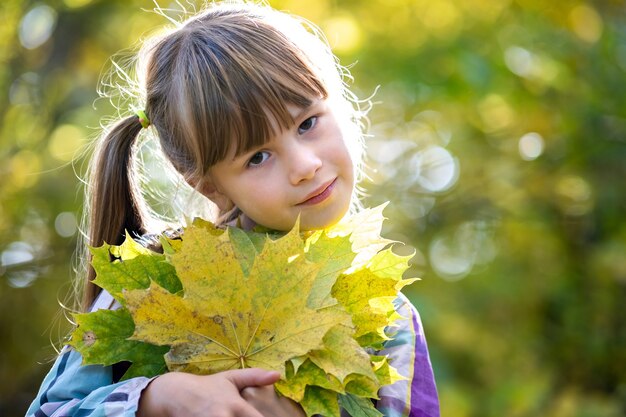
(251, 377)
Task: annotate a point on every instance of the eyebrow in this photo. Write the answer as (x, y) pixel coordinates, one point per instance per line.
(301, 111)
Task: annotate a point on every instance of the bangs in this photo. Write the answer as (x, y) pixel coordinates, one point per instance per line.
(241, 80)
(257, 108)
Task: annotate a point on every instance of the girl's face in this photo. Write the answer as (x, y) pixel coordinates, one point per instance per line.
(305, 171)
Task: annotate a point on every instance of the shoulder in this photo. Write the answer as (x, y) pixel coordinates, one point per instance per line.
(152, 241)
(407, 347)
(406, 329)
(104, 301)
(409, 314)
(404, 305)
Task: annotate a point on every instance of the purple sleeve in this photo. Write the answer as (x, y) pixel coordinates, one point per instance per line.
(408, 353)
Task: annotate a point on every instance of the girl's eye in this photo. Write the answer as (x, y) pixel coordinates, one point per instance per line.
(258, 158)
(307, 125)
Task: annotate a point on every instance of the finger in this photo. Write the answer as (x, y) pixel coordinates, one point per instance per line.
(250, 393)
(255, 377)
(247, 410)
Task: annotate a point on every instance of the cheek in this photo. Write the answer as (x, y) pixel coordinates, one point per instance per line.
(353, 148)
(255, 196)
(343, 160)
(339, 151)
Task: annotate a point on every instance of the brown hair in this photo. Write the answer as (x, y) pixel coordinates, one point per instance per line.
(222, 79)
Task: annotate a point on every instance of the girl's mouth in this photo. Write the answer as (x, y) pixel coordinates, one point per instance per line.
(319, 195)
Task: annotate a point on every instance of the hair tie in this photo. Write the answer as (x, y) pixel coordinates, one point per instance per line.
(143, 119)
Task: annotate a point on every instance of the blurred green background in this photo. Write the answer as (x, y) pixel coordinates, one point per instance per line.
(499, 136)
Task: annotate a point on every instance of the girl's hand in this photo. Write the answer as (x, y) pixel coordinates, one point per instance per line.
(270, 404)
(219, 395)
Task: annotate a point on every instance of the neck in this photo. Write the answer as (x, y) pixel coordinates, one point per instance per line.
(246, 222)
(243, 221)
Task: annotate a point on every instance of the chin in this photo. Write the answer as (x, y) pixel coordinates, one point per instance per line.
(323, 222)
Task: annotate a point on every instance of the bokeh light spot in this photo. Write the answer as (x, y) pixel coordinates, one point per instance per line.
(519, 60)
(540, 68)
(531, 146)
(17, 253)
(435, 168)
(496, 113)
(65, 224)
(586, 23)
(314, 11)
(65, 141)
(454, 255)
(575, 188)
(25, 169)
(14, 263)
(344, 34)
(440, 16)
(387, 151)
(36, 26)
(447, 261)
(22, 279)
(575, 195)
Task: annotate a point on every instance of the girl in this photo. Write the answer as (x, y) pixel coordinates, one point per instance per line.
(249, 106)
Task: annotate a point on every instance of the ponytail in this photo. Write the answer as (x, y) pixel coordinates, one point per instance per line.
(113, 202)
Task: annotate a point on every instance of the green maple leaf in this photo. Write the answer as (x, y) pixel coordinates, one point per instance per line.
(333, 255)
(101, 338)
(358, 406)
(320, 401)
(134, 267)
(227, 319)
(361, 386)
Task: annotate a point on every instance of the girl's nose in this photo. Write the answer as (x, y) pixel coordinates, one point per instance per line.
(304, 164)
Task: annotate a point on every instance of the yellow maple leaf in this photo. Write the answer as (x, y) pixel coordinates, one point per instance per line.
(229, 319)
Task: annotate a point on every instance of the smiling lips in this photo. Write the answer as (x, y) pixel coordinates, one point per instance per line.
(319, 195)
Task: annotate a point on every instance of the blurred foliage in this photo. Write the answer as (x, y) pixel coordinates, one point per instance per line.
(499, 136)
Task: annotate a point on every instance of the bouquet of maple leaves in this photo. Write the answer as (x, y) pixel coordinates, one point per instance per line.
(311, 305)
